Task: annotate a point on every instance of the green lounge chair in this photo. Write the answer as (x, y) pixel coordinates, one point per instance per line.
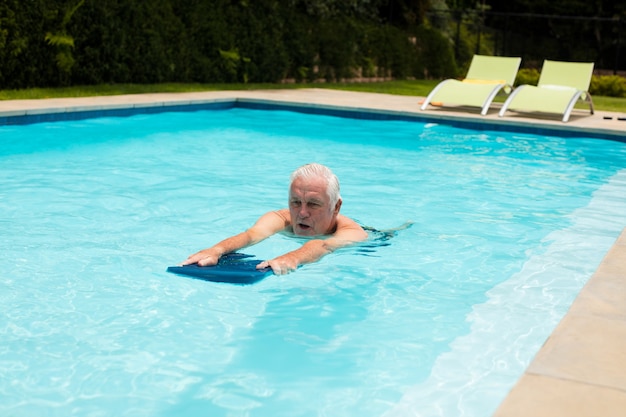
(560, 86)
(486, 77)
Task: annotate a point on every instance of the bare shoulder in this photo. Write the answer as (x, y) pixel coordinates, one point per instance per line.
(349, 229)
(270, 223)
(283, 214)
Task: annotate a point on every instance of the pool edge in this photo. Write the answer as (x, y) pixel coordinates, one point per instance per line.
(461, 120)
(319, 101)
(581, 368)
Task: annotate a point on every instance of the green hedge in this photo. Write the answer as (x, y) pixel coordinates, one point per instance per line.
(46, 43)
(601, 85)
(608, 85)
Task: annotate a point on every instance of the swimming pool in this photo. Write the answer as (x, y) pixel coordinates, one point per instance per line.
(444, 319)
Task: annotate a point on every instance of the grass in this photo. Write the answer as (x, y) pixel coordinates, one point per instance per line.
(419, 88)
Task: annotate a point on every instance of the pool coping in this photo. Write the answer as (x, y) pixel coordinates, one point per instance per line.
(45, 110)
(581, 368)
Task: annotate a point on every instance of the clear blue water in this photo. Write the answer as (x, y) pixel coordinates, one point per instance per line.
(441, 322)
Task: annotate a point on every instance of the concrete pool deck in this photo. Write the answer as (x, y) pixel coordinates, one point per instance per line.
(581, 369)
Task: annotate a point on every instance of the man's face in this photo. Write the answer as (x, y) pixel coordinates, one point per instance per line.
(310, 208)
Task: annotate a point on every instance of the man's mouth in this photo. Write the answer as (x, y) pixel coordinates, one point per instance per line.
(303, 226)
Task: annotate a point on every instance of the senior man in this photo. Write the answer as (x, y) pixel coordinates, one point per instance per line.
(314, 203)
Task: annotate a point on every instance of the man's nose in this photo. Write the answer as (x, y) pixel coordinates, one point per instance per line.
(304, 211)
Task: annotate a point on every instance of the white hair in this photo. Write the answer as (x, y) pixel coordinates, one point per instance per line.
(315, 170)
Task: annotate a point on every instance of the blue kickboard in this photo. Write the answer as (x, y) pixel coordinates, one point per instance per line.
(234, 268)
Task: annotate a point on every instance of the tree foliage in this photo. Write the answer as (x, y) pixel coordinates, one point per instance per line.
(71, 42)
(60, 42)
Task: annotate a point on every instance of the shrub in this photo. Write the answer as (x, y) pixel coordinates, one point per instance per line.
(527, 76)
(608, 85)
(434, 55)
(601, 85)
(79, 42)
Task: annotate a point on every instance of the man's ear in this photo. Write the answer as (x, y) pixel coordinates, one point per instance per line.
(338, 206)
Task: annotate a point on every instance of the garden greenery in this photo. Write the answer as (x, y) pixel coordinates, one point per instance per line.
(55, 43)
(46, 43)
(601, 85)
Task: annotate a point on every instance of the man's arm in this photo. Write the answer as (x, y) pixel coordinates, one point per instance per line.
(347, 233)
(266, 226)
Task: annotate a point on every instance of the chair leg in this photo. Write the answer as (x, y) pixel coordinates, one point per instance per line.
(508, 101)
(572, 103)
(428, 99)
(590, 100)
(490, 98)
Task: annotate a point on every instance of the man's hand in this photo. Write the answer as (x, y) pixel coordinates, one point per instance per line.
(282, 265)
(311, 251)
(266, 226)
(206, 257)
